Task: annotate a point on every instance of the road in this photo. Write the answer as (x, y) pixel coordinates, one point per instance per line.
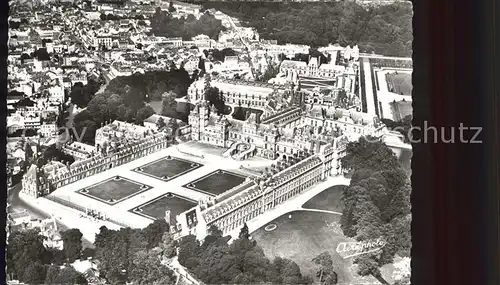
(230, 20)
(17, 205)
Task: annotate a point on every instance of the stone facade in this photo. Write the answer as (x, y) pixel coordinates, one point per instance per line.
(236, 92)
(282, 134)
(97, 164)
(285, 180)
(34, 184)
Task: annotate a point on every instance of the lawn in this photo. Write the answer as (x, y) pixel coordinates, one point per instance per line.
(303, 237)
(168, 168)
(156, 105)
(329, 200)
(155, 209)
(216, 182)
(114, 190)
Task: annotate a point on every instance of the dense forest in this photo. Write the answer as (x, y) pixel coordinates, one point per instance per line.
(377, 204)
(385, 30)
(163, 24)
(29, 261)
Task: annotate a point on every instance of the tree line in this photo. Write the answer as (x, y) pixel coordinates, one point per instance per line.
(385, 30)
(125, 255)
(377, 204)
(214, 261)
(81, 94)
(133, 255)
(164, 24)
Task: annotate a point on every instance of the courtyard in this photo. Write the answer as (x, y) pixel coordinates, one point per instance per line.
(216, 182)
(168, 168)
(155, 209)
(114, 190)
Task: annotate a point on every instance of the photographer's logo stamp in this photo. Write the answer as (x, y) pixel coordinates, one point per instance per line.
(352, 249)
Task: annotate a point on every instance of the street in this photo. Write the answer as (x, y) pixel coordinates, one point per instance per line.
(17, 205)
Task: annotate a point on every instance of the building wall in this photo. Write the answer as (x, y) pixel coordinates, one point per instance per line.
(291, 183)
(97, 164)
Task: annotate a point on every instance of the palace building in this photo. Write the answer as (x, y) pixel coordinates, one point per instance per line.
(236, 91)
(283, 181)
(282, 134)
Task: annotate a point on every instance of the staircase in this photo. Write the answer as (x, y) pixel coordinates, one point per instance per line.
(234, 146)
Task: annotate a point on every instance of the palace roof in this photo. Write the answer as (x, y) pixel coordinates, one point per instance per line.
(253, 191)
(293, 64)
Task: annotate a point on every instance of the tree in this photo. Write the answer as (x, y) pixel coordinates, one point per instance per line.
(28, 153)
(147, 269)
(214, 98)
(188, 247)
(239, 114)
(171, 7)
(173, 126)
(244, 233)
(214, 234)
(325, 271)
(377, 204)
(160, 124)
(168, 104)
(144, 113)
(25, 248)
(369, 153)
(34, 273)
(72, 242)
(52, 276)
(66, 275)
(57, 256)
(168, 245)
(154, 232)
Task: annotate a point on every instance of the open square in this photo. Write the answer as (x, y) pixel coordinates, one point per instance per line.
(114, 190)
(167, 168)
(399, 83)
(155, 209)
(216, 182)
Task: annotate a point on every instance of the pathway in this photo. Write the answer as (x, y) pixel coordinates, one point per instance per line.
(370, 100)
(291, 205)
(321, 211)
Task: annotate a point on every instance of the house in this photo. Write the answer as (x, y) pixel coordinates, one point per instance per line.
(34, 182)
(79, 150)
(152, 122)
(19, 218)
